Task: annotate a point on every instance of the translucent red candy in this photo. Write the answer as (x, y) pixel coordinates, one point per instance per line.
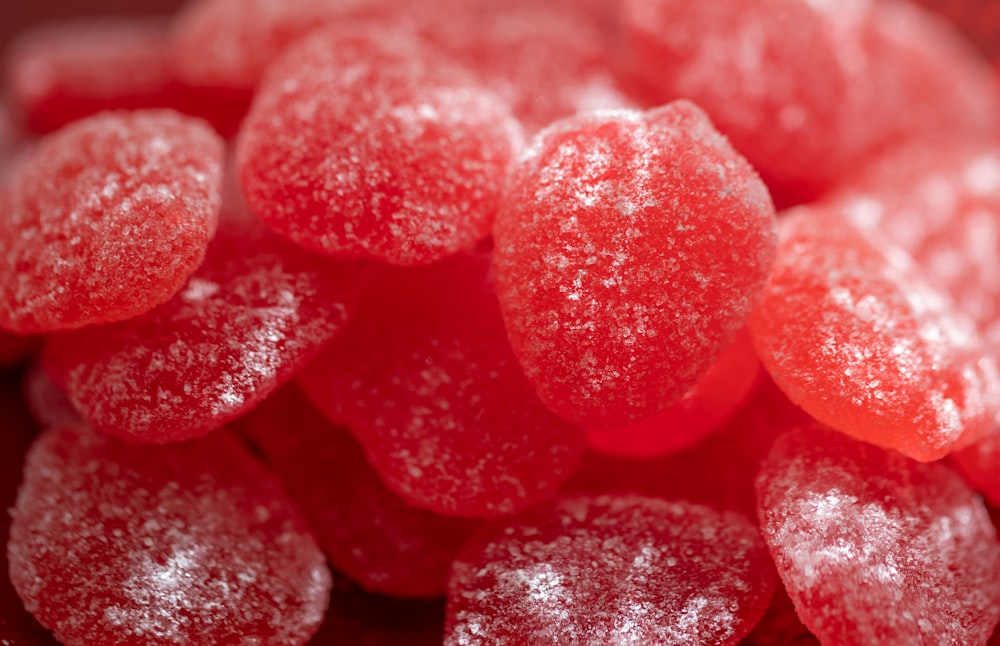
(106, 219)
(114, 543)
(368, 532)
(630, 247)
(426, 380)
(980, 464)
(253, 314)
(610, 570)
(874, 548)
(363, 145)
(703, 409)
(852, 331)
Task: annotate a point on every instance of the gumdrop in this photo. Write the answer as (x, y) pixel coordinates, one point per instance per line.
(852, 331)
(367, 532)
(426, 380)
(980, 464)
(255, 313)
(656, 572)
(630, 248)
(358, 145)
(116, 543)
(106, 219)
(874, 548)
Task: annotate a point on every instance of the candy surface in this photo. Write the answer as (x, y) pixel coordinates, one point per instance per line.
(657, 572)
(107, 219)
(856, 530)
(629, 249)
(114, 543)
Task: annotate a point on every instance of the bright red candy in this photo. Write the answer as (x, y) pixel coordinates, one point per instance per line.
(703, 409)
(980, 464)
(610, 570)
(630, 247)
(426, 380)
(852, 331)
(874, 548)
(368, 532)
(106, 219)
(360, 144)
(114, 543)
(253, 314)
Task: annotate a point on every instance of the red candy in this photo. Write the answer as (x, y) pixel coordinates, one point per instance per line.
(252, 315)
(114, 543)
(358, 145)
(426, 380)
(610, 570)
(367, 531)
(107, 219)
(851, 330)
(629, 249)
(980, 464)
(874, 548)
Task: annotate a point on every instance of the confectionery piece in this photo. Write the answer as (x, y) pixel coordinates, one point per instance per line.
(106, 219)
(116, 543)
(875, 548)
(630, 248)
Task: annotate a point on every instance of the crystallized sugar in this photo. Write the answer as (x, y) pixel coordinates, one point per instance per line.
(629, 249)
(426, 380)
(252, 315)
(852, 331)
(875, 548)
(106, 219)
(368, 532)
(114, 543)
(610, 570)
(360, 144)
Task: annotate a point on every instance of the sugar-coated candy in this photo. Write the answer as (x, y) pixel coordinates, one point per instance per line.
(106, 219)
(252, 315)
(630, 247)
(703, 409)
(875, 548)
(425, 379)
(362, 144)
(367, 532)
(979, 20)
(980, 464)
(656, 572)
(195, 543)
(854, 333)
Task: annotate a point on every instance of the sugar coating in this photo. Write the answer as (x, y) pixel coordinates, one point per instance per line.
(426, 380)
(106, 219)
(253, 314)
(362, 145)
(702, 410)
(368, 532)
(852, 331)
(630, 247)
(610, 570)
(874, 548)
(115, 543)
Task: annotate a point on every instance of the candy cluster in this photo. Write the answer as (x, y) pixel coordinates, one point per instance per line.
(502, 322)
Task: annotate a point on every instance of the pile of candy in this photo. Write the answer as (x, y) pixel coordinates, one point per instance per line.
(474, 321)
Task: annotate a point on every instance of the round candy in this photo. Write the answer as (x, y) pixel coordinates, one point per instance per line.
(115, 543)
(362, 144)
(106, 219)
(630, 248)
(610, 570)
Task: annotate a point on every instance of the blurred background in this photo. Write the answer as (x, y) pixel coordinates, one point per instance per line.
(15, 16)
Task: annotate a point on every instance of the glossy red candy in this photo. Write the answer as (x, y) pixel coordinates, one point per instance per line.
(426, 380)
(630, 248)
(106, 219)
(610, 570)
(363, 145)
(980, 464)
(114, 543)
(253, 314)
(874, 548)
(368, 532)
(852, 331)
